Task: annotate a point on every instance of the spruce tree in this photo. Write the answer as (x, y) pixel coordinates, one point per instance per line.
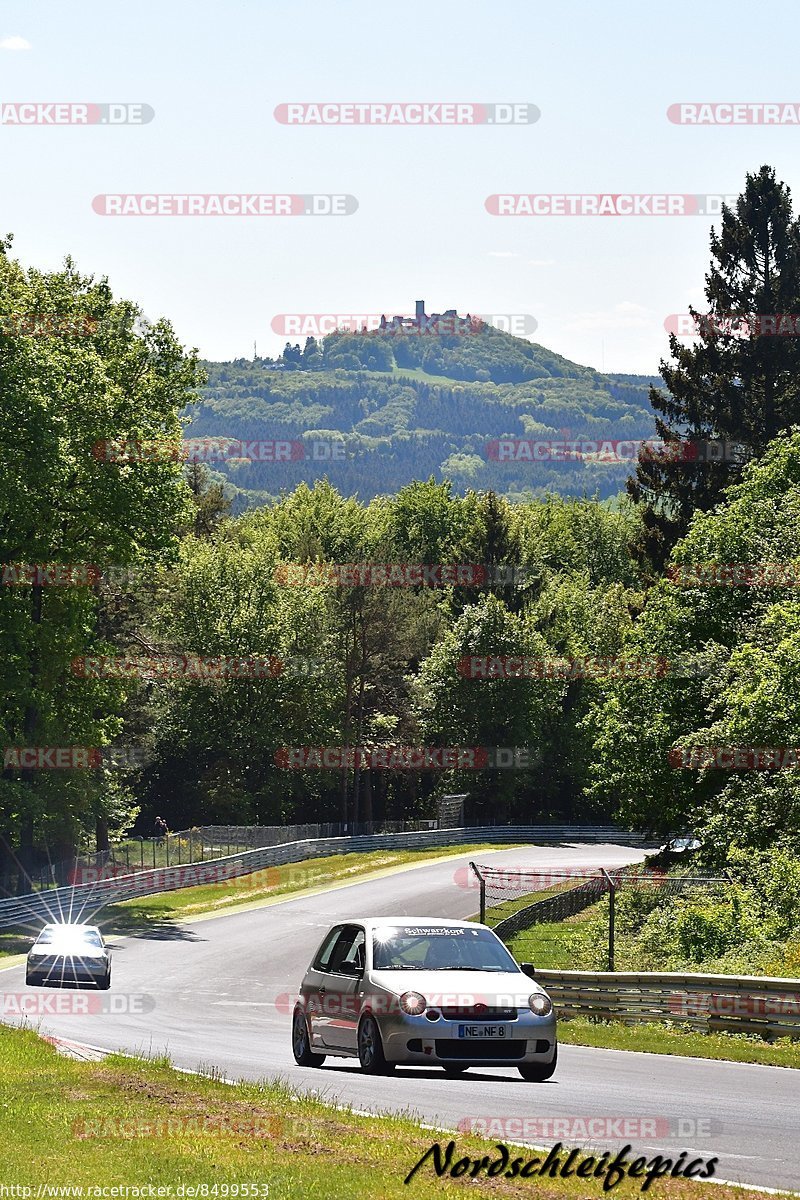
(740, 383)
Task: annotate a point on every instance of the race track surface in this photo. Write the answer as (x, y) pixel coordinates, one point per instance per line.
(219, 993)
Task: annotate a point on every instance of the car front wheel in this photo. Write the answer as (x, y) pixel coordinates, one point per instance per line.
(538, 1072)
(370, 1049)
(304, 1056)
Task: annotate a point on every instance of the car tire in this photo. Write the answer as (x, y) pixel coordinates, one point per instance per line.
(105, 983)
(304, 1056)
(30, 980)
(455, 1069)
(370, 1048)
(538, 1072)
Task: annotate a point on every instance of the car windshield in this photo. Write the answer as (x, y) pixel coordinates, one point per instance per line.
(72, 939)
(439, 948)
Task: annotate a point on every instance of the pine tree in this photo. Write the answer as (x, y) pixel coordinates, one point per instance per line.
(741, 382)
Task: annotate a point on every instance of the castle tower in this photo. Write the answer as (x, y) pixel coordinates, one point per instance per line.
(420, 313)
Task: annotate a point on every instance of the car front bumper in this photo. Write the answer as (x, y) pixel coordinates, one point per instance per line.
(66, 971)
(528, 1039)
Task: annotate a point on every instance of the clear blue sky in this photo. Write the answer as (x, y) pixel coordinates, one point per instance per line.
(602, 76)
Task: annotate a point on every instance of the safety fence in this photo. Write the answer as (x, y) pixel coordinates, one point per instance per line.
(506, 903)
(765, 1006)
(72, 903)
(205, 842)
(553, 908)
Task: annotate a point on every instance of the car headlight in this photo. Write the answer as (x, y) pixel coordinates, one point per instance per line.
(540, 1004)
(413, 1003)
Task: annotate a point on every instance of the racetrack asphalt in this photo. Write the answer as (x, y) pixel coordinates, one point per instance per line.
(218, 992)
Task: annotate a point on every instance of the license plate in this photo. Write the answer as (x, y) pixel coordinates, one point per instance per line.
(482, 1031)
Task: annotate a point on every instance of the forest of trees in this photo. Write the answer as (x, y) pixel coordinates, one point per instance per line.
(398, 425)
(591, 584)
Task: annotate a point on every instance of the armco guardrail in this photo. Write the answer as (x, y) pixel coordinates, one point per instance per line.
(253, 837)
(744, 1004)
(70, 903)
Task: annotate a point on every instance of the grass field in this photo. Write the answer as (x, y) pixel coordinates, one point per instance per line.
(554, 945)
(672, 1039)
(127, 1123)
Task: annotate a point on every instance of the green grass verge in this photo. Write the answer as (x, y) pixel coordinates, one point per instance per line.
(128, 1123)
(557, 946)
(554, 945)
(13, 943)
(507, 908)
(656, 1038)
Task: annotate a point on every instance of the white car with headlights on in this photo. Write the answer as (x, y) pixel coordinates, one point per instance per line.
(422, 991)
(69, 954)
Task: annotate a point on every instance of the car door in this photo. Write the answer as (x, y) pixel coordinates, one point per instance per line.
(314, 987)
(339, 992)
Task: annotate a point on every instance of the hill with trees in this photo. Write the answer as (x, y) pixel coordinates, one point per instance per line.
(671, 614)
(414, 405)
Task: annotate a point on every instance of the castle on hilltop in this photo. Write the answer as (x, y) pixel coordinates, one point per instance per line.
(448, 321)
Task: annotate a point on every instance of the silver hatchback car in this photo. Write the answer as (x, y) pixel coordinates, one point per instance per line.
(422, 991)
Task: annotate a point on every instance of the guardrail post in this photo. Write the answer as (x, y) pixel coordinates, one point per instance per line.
(612, 892)
(482, 883)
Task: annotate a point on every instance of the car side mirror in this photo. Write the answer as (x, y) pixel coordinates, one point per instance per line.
(528, 969)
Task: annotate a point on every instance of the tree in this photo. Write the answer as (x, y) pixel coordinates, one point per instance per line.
(732, 679)
(739, 383)
(453, 709)
(492, 541)
(98, 375)
(210, 501)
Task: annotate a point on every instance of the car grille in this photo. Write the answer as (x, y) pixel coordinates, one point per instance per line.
(66, 966)
(480, 1048)
(479, 1012)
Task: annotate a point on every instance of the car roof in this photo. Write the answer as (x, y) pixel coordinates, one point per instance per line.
(384, 922)
(72, 925)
